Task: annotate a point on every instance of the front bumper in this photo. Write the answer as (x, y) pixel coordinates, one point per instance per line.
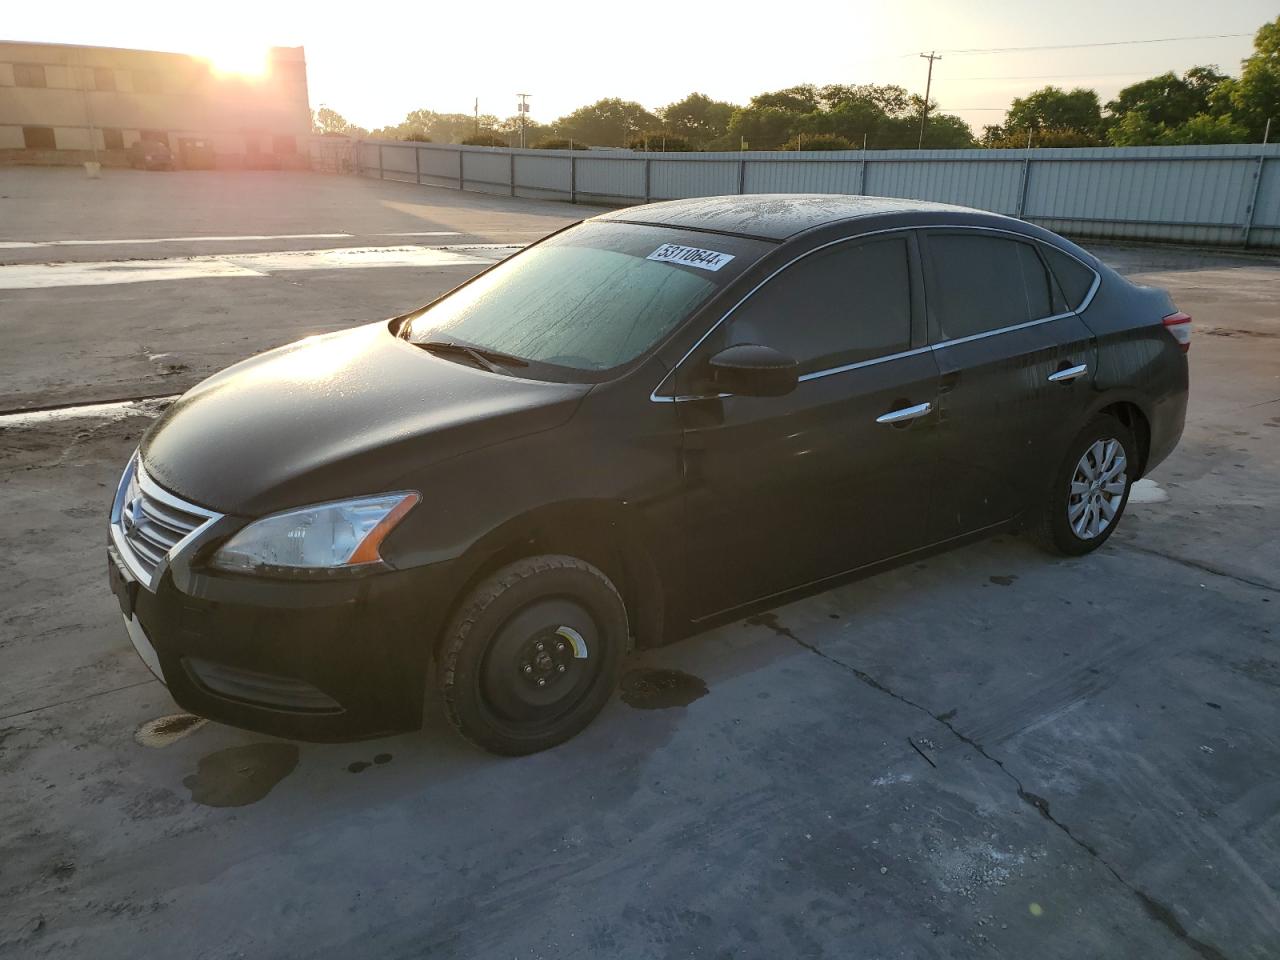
(328, 661)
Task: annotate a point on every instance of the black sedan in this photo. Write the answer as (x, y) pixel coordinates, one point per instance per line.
(653, 420)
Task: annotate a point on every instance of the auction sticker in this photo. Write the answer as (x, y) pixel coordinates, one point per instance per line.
(690, 256)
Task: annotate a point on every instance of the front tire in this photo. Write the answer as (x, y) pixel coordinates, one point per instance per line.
(533, 654)
(1089, 490)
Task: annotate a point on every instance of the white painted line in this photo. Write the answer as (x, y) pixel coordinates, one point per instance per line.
(93, 411)
(29, 276)
(26, 244)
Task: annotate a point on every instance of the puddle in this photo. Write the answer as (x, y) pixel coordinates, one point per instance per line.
(163, 731)
(660, 689)
(239, 776)
(1147, 490)
(1003, 581)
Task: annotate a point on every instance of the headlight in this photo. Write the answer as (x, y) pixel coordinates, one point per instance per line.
(327, 538)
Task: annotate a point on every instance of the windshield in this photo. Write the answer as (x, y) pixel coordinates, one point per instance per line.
(592, 298)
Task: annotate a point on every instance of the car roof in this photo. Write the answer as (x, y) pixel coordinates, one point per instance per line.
(774, 216)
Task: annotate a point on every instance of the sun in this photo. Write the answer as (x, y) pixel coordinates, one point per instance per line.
(247, 61)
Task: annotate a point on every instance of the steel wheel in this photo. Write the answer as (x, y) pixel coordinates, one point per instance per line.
(1097, 488)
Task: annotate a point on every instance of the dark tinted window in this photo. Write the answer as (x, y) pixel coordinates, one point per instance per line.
(847, 303)
(28, 75)
(983, 282)
(1075, 279)
(38, 138)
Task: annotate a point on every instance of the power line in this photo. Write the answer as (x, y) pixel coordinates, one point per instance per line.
(1108, 43)
(1056, 76)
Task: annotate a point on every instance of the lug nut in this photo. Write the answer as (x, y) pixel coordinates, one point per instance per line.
(538, 645)
(560, 647)
(542, 682)
(527, 668)
(560, 668)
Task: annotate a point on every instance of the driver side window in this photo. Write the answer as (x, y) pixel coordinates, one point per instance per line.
(844, 304)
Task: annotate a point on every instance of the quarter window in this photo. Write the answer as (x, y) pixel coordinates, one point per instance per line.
(984, 283)
(847, 303)
(1075, 279)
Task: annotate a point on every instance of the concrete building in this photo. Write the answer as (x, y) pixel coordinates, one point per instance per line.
(58, 102)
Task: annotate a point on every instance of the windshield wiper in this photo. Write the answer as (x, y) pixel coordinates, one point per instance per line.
(491, 360)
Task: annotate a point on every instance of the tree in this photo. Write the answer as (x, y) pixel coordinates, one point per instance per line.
(559, 143)
(762, 128)
(1052, 108)
(1168, 98)
(698, 119)
(799, 99)
(821, 142)
(330, 123)
(609, 122)
(1254, 97)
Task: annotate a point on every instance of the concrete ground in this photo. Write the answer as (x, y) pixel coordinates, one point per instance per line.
(994, 753)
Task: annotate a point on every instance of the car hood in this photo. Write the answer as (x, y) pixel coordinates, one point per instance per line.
(350, 413)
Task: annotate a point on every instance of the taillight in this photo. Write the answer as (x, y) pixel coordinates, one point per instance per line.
(1179, 324)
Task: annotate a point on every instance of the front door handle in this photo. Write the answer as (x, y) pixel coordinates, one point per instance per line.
(1069, 374)
(906, 413)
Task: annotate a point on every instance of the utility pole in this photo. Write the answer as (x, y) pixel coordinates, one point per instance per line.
(477, 111)
(928, 85)
(524, 115)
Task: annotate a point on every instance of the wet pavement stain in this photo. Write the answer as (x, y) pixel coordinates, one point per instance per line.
(163, 731)
(239, 776)
(660, 689)
(359, 766)
(1004, 581)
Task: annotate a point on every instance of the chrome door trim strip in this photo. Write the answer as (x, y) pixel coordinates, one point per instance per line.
(818, 374)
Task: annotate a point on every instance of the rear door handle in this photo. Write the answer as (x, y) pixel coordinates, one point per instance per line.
(906, 413)
(1069, 374)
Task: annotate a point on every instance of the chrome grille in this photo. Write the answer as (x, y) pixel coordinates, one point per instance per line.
(149, 524)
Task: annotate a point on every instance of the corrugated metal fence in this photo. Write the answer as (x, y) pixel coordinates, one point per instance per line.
(1226, 195)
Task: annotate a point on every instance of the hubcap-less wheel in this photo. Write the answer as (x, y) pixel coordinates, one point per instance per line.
(540, 663)
(1097, 488)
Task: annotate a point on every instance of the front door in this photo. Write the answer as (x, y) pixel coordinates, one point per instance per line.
(786, 491)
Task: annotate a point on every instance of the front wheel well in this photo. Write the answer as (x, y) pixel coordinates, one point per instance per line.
(1131, 415)
(602, 541)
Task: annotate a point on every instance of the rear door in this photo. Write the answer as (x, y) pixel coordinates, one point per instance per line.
(785, 491)
(1015, 369)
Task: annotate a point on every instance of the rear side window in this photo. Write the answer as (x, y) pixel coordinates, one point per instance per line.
(1075, 279)
(847, 303)
(984, 282)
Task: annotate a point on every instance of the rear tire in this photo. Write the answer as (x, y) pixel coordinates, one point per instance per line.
(1089, 490)
(532, 655)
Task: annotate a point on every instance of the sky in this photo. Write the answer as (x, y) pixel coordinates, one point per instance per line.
(374, 62)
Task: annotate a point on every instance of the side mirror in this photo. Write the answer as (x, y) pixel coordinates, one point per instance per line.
(752, 370)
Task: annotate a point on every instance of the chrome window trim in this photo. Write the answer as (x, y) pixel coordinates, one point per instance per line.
(818, 374)
(830, 371)
(158, 493)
